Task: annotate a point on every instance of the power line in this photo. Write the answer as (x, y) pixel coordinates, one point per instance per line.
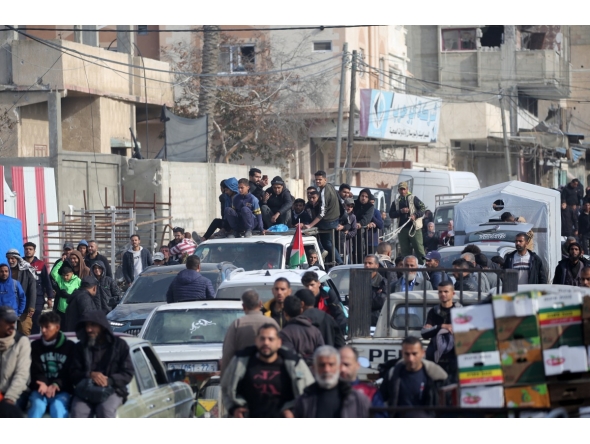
(201, 30)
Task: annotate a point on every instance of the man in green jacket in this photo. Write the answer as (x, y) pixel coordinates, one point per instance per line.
(410, 212)
(264, 381)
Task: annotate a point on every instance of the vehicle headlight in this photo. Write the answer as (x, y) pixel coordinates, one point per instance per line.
(116, 324)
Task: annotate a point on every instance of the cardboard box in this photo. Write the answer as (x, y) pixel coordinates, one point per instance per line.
(475, 342)
(586, 307)
(482, 397)
(518, 305)
(569, 395)
(522, 361)
(565, 359)
(509, 329)
(536, 396)
(474, 317)
(476, 369)
(562, 335)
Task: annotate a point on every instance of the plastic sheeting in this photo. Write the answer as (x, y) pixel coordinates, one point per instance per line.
(537, 205)
(186, 139)
(12, 236)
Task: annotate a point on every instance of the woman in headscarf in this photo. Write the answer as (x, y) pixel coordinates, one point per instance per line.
(76, 260)
(364, 212)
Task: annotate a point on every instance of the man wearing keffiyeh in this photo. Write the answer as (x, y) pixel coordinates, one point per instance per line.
(24, 273)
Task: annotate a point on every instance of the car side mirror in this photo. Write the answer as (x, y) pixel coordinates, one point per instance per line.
(176, 375)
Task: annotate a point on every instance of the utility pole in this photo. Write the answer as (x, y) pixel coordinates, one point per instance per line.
(350, 143)
(209, 81)
(505, 135)
(338, 178)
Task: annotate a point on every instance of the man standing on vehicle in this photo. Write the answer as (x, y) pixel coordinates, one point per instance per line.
(432, 261)
(410, 211)
(378, 287)
(44, 288)
(439, 330)
(327, 219)
(265, 380)
(242, 332)
(529, 264)
(135, 260)
(274, 308)
(569, 271)
(414, 281)
(276, 204)
(325, 299)
(15, 357)
(94, 256)
(413, 381)
(99, 359)
(190, 285)
(330, 397)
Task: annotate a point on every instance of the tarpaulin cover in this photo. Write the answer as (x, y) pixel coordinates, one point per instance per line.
(186, 139)
(12, 236)
(537, 205)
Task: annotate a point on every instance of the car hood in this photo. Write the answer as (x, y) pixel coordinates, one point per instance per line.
(131, 312)
(189, 352)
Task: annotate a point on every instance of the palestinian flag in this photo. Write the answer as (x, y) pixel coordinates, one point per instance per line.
(297, 251)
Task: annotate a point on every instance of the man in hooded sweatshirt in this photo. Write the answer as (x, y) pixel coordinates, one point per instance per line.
(26, 275)
(229, 188)
(11, 292)
(103, 359)
(190, 285)
(328, 327)
(107, 288)
(299, 334)
(82, 301)
(276, 204)
(364, 212)
(135, 260)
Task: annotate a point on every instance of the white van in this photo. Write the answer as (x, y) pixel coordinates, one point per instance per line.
(426, 184)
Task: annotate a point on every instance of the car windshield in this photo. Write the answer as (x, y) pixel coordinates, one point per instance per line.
(498, 236)
(444, 215)
(152, 287)
(341, 279)
(249, 256)
(190, 326)
(264, 291)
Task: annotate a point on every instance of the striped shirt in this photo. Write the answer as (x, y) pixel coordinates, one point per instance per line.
(187, 246)
(522, 264)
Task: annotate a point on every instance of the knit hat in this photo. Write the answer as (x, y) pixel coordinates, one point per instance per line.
(277, 180)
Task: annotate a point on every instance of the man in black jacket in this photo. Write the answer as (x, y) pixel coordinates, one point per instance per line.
(80, 302)
(329, 397)
(569, 221)
(584, 227)
(299, 334)
(254, 179)
(529, 265)
(26, 274)
(413, 381)
(135, 260)
(379, 291)
(432, 260)
(572, 194)
(325, 299)
(463, 279)
(94, 256)
(324, 322)
(276, 204)
(103, 358)
(569, 271)
(438, 322)
(108, 290)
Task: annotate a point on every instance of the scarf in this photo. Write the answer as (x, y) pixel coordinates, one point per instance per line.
(6, 343)
(23, 265)
(83, 270)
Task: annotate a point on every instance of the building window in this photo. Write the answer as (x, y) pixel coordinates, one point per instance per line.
(396, 80)
(41, 151)
(458, 40)
(142, 29)
(381, 73)
(322, 46)
(234, 59)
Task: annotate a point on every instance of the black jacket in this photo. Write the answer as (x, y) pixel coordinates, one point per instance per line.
(436, 377)
(430, 243)
(127, 267)
(80, 302)
(280, 203)
(364, 213)
(572, 196)
(436, 277)
(29, 284)
(334, 308)
(105, 262)
(256, 190)
(327, 325)
(537, 273)
(379, 295)
(354, 404)
(469, 283)
(107, 289)
(584, 224)
(115, 363)
(51, 363)
(301, 336)
(569, 222)
(304, 218)
(563, 275)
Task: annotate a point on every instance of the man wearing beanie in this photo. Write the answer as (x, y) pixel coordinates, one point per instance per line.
(22, 272)
(276, 204)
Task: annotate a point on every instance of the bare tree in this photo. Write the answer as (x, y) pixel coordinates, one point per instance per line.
(8, 135)
(210, 58)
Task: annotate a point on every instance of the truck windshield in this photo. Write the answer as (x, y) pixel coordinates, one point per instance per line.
(249, 256)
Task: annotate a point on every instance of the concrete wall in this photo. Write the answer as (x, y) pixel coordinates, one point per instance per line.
(116, 118)
(34, 129)
(77, 125)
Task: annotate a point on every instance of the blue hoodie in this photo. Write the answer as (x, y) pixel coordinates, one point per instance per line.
(189, 285)
(12, 294)
(232, 184)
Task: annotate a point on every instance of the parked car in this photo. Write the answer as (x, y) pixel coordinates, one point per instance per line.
(263, 280)
(154, 392)
(189, 337)
(268, 252)
(340, 276)
(148, 291)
